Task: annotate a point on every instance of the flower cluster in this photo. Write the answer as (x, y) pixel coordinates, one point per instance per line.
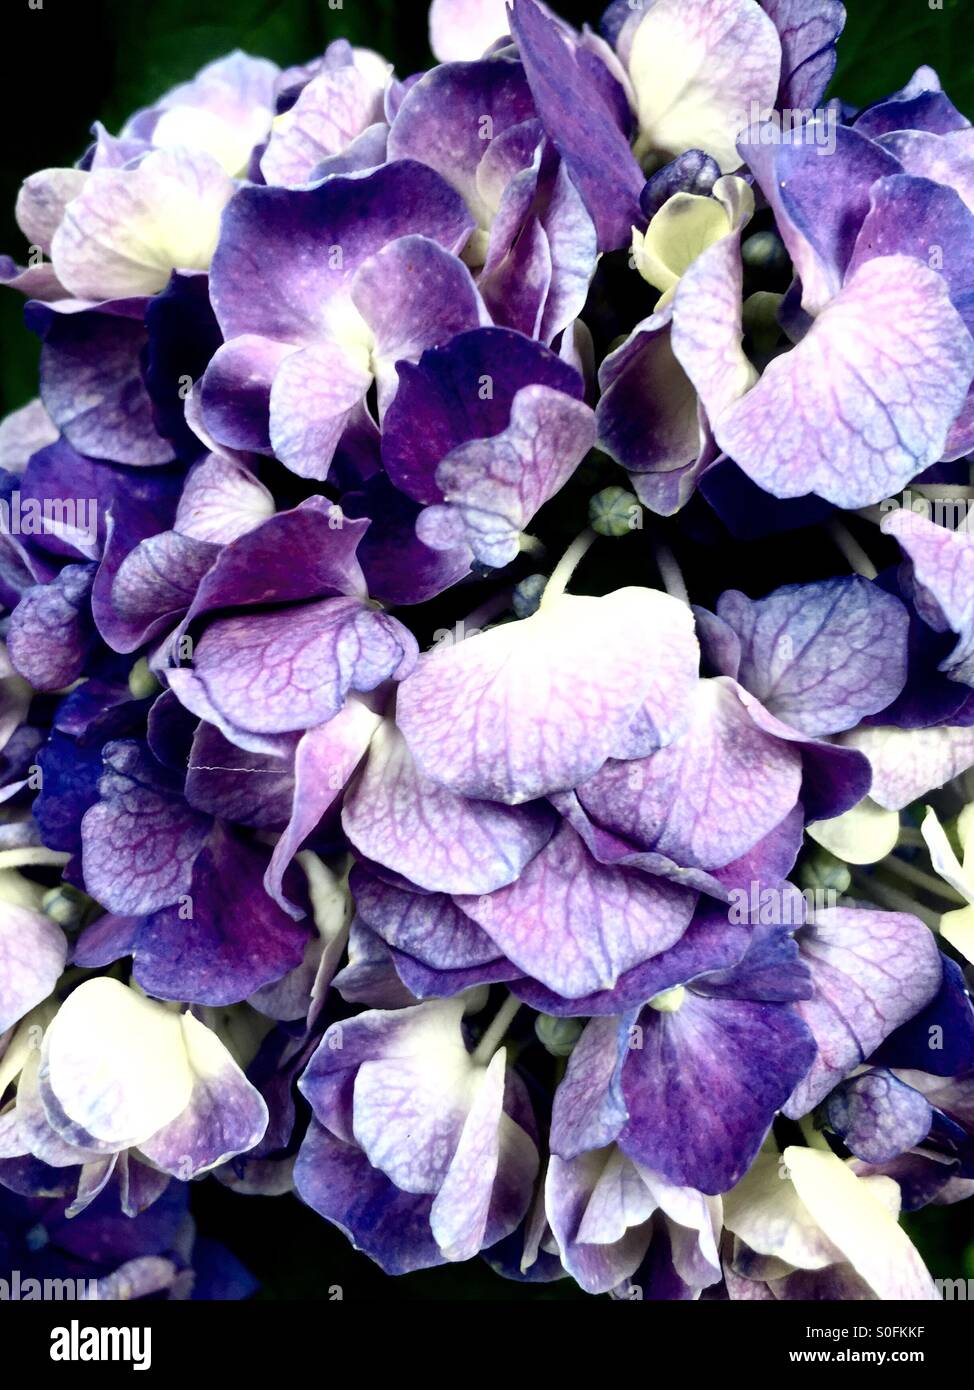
(383, 822)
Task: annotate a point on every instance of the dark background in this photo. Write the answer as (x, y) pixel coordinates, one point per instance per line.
(71, 62)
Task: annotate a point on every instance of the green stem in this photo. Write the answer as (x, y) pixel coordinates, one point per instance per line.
(566, 566)
(851, 550)
(496, 1031)
(671, 574)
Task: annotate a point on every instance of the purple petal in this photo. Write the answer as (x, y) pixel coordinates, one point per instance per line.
(33, 950)
(710, 943)
(307, 553)
(314, 395)
(226, 939)
(281, 671)
(275, 273)
(808, 34)
(599, 1210)
(152, 589)
(92, 384)
(492, 488)
(235, 395)
(908, 763)
(324, 761)
(413, 295)
(878, 1116)
(391, 1227)
(648, 414)
(458, 393)
(581, 122)
(50, 633)
(225, 1116)
(707, 798)
(22, 433)
(820, 656)
(450, 119)
(871, 971)
(819, 203)
(141, 839)
(428, 926)
(438, 840)
(489, 1184)
(704, 1086)
(510, 714)
(228, 782)
(399, 568)
(577, 925)
(860, 406)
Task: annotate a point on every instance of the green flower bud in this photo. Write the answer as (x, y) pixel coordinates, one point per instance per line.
(765, 252)
(558, 1035)
(669, 1001)
(142, 683)
(615, 512)
(822, 872)
(66, 905)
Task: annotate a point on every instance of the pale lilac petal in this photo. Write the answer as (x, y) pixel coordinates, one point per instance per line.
(492, 488)
(491, 1147)
(514, 714)
(32, 955)
(42, 200)
(225, 1114)
(324, 761)
(140, 839)
(589, 1109)
(221, 501)
(942, 569)
(820, 656)
(414, 295)
(707, 798)
(438, 840)
(120, 1095)
(871, 971)
(697, 71)
(129, 229)
(599, 1209)
(577, 925)
(464, 29)
(908, 763)
(314, 394)
(22, 433)
(865, 401)
(707, 312)
(332, 110)
(291, 669)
